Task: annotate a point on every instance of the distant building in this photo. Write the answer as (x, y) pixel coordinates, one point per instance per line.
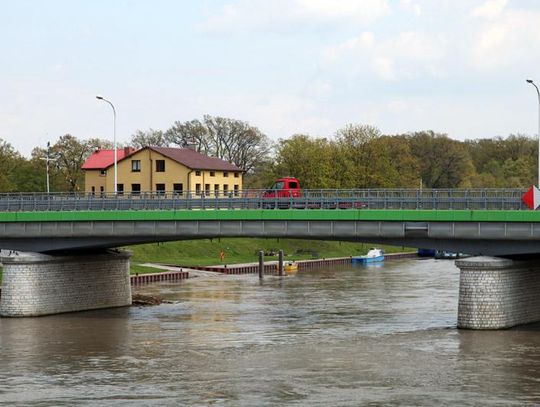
(161, 169)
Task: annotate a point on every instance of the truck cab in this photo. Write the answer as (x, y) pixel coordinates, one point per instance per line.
(284, 188)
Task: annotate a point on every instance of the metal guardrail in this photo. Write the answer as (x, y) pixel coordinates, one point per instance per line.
(443, 199)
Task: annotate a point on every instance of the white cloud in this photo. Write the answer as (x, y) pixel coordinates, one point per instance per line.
(490, 9)
(254, 15)
(405, 55)
(360, 10)
(411, 6)
(507, 40)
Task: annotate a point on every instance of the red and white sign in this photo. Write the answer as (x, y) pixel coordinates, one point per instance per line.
(532, 198)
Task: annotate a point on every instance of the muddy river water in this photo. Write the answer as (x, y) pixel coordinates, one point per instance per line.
(347, 336)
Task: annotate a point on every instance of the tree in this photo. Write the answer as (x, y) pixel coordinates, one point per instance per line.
(150, 137)
(229, 139)
(69, 154)
(500, 162)
(403, 169)
(308, 159)
(10, 161)
(444, 163)
(367, 159)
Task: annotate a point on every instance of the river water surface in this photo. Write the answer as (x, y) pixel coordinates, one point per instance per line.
(347, 336)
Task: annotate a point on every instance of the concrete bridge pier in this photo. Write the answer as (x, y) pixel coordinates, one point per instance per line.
(38, 284)
(497, 293)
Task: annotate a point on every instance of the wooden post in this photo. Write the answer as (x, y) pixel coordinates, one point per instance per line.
(280, 263)
(261, 264)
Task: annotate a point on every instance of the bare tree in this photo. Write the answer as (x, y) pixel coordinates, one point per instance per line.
(229, 139)
(150, 137)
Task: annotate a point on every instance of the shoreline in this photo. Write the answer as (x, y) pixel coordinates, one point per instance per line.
(175, 272)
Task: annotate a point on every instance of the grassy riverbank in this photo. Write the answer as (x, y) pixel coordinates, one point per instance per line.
(239, 250)
(242, 250)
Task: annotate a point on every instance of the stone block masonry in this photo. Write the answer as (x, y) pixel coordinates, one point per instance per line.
(497, 293)
(37, 284)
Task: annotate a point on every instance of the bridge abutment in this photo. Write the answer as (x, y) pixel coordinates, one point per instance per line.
(37, 284)
(497, 293)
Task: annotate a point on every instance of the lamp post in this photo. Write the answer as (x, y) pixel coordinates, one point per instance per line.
(114, 141)
(48, 159)
(538, 93)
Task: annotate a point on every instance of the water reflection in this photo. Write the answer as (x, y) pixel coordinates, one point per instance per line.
(341, 336)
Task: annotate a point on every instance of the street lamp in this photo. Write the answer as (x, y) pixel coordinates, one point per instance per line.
(48, 159)
(538, 93)
(114, 141)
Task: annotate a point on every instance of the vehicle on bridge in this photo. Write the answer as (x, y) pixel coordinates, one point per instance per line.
(286, 193)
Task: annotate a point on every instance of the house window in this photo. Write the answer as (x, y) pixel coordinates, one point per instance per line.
(212, 173)
(101, 190)
(207, 189)
(120, 189)
(93, 190)
(160, 165)
(136, 166)
(103, 173)
(236, 189)
(135, 189)
(216, 189)
(225, 174)
(225, 189)
(236, 174)
(197, 189)
(178, 189)
(160, 188)
(197, 173)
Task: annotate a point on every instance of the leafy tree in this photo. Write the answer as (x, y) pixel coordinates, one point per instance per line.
(308, 159)
(10, 161)
(358, 155)
(444, 163)
(402, 168)
(504, 162)
(69, 154)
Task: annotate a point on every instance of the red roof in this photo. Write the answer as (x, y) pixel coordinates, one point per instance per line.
(194, 160)
(102, 159)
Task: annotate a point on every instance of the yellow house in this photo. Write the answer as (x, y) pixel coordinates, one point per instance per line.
(161, 169)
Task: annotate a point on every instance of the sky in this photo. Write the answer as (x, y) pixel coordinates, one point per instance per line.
(285, 66)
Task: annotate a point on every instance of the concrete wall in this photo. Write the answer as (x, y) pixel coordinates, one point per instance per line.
(36, 284)
(496, 293)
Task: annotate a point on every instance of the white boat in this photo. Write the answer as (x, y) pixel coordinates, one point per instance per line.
(373, 255)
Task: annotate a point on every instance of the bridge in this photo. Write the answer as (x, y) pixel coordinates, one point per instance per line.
(65, 228)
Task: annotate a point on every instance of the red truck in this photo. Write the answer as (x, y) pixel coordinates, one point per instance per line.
(284, 188)
(287, 193)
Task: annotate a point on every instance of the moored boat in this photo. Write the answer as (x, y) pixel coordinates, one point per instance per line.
(290, 267)
(426, 252)
(373, 255)
(444, 254)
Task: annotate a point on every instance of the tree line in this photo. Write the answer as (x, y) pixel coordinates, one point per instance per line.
(355, 156)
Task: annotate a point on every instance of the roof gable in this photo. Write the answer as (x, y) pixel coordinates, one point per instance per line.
(102, 159)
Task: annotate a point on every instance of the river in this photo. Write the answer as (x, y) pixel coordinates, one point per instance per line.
(346, 336)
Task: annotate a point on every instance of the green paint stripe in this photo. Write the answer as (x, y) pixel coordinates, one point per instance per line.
(286, 214)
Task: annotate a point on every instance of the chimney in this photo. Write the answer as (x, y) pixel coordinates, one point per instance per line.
(128, 150)
(191, 144)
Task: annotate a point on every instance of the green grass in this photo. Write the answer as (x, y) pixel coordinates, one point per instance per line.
(244, 250)
(239, 250)
(139, 269)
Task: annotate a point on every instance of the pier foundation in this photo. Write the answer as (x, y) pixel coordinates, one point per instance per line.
(37, 284)
(497, 293)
